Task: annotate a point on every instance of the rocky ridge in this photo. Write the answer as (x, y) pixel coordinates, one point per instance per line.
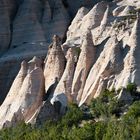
(101, 51)
(27, 27)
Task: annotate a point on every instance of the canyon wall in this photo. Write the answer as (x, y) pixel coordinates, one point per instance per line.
(98, 51)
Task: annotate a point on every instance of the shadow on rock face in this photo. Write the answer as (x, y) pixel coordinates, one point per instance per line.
(46, 113)
(52, 110)
(51, 90)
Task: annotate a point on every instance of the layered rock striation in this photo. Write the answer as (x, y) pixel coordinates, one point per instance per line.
(26, 29)
(101, 51)
(25, 95)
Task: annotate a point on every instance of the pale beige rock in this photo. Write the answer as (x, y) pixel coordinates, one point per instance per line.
(135, 3)
(14, 91)
(102, 63)
(65, 84)
(83, 22)
(26, 29)
(106, 65)
(118, 10)
(55, 63)
(128, 10)
(29, 97)
(103, 31)
(104, 20)
(94, 17)
(33, 99)
(131, 69)
(85, 61)
(34, 63)
(74, 29)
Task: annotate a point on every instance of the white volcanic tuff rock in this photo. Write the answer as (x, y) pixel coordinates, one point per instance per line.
(80, 14)
(118, 10)
(127, 11)
(15, 88)
(90, 21)
(94, 17)
(107, 65)
(114, 65)
(65, 84)
(10, 64)
(124, 11)
(34, 63)
(32, 21)
(134, 37)
(84, 64)
(74, 29)
(135, 3)
(55, 63)
(28, 32)
(103, 31)
(131, 69)
(104, 20)
(32, 93)
(29, 97)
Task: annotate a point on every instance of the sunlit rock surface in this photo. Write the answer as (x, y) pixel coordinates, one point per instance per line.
(25, 95)
(98, 50)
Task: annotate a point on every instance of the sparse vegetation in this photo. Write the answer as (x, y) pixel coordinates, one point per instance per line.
(106, 119)
(131, 87)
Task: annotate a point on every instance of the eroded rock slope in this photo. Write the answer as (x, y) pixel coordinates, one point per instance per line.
(101, 51)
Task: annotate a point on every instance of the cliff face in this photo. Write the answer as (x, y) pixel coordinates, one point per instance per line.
(26, 30)
(101, 51)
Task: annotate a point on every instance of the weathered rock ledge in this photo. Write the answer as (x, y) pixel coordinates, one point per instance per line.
(101, 51)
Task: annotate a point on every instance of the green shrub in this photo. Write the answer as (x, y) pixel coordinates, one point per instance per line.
(131, 87)
(105, 105)
(134, 111)
(73, 115)
(100, 130)
(106, 126)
